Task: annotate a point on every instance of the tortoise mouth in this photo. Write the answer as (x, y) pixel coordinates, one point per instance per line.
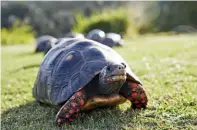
(116, 78)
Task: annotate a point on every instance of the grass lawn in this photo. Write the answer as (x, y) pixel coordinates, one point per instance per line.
(167, 66)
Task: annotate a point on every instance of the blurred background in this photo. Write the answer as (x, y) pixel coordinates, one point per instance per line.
(160, 47)
(32, 19)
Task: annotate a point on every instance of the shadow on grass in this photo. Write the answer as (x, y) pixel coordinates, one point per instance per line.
(28, 53)
(25, 67)
(37, 116)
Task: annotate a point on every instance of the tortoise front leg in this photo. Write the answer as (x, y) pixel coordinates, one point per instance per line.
(70, 110)
(135, 93)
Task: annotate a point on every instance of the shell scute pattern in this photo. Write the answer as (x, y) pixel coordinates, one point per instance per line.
(108, 41)
(92, 67)
(42, 91)
(81, 46)
(51, 60)
(70, 63)
(75, 80)
(64, 91)
(95, 54)
(63, 77)
(55, 95)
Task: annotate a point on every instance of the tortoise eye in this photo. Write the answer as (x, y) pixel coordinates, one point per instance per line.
(108, 68)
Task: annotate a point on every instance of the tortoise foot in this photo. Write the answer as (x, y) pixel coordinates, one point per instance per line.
(136, 94)
(70, 110)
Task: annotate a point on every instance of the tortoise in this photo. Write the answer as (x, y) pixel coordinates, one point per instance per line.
(117, 40)
(45, 43)
(96, 35)
(57, 41)
(108, 42)
(81, 74)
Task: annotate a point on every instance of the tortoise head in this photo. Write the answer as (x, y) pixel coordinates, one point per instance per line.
(111, 78)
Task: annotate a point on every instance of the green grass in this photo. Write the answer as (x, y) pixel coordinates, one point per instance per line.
(167, 66)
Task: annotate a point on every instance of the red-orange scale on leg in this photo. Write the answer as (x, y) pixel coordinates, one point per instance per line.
(77, 110)
(134, 95)
(81, 102)
(70, 119)
(143, 101)
(73, 97)
(78, 93)
(59, 121)
(71, 111)
(73, 104)
(142, 95)
(138, 106)
(65, 108)
(67, 116)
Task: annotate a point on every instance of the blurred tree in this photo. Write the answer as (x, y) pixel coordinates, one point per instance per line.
(12, 11)
(54, 18)
(175, 13)
(164, 16)
(11, 35)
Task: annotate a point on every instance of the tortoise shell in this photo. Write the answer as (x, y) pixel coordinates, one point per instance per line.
(108, 42)
(116, 38)
(44, 43)
(70, 66)
(96, 35)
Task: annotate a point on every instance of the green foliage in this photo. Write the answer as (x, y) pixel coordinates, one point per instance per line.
(17, 34)
(165, 16)
(107, 20)
(165, 64)
(54, 18)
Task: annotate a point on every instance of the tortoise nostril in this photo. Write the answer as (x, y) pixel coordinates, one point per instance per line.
(120, 67)
(123, 65)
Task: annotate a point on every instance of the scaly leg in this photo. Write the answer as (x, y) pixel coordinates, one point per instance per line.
(135, 93)
(70, 110)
